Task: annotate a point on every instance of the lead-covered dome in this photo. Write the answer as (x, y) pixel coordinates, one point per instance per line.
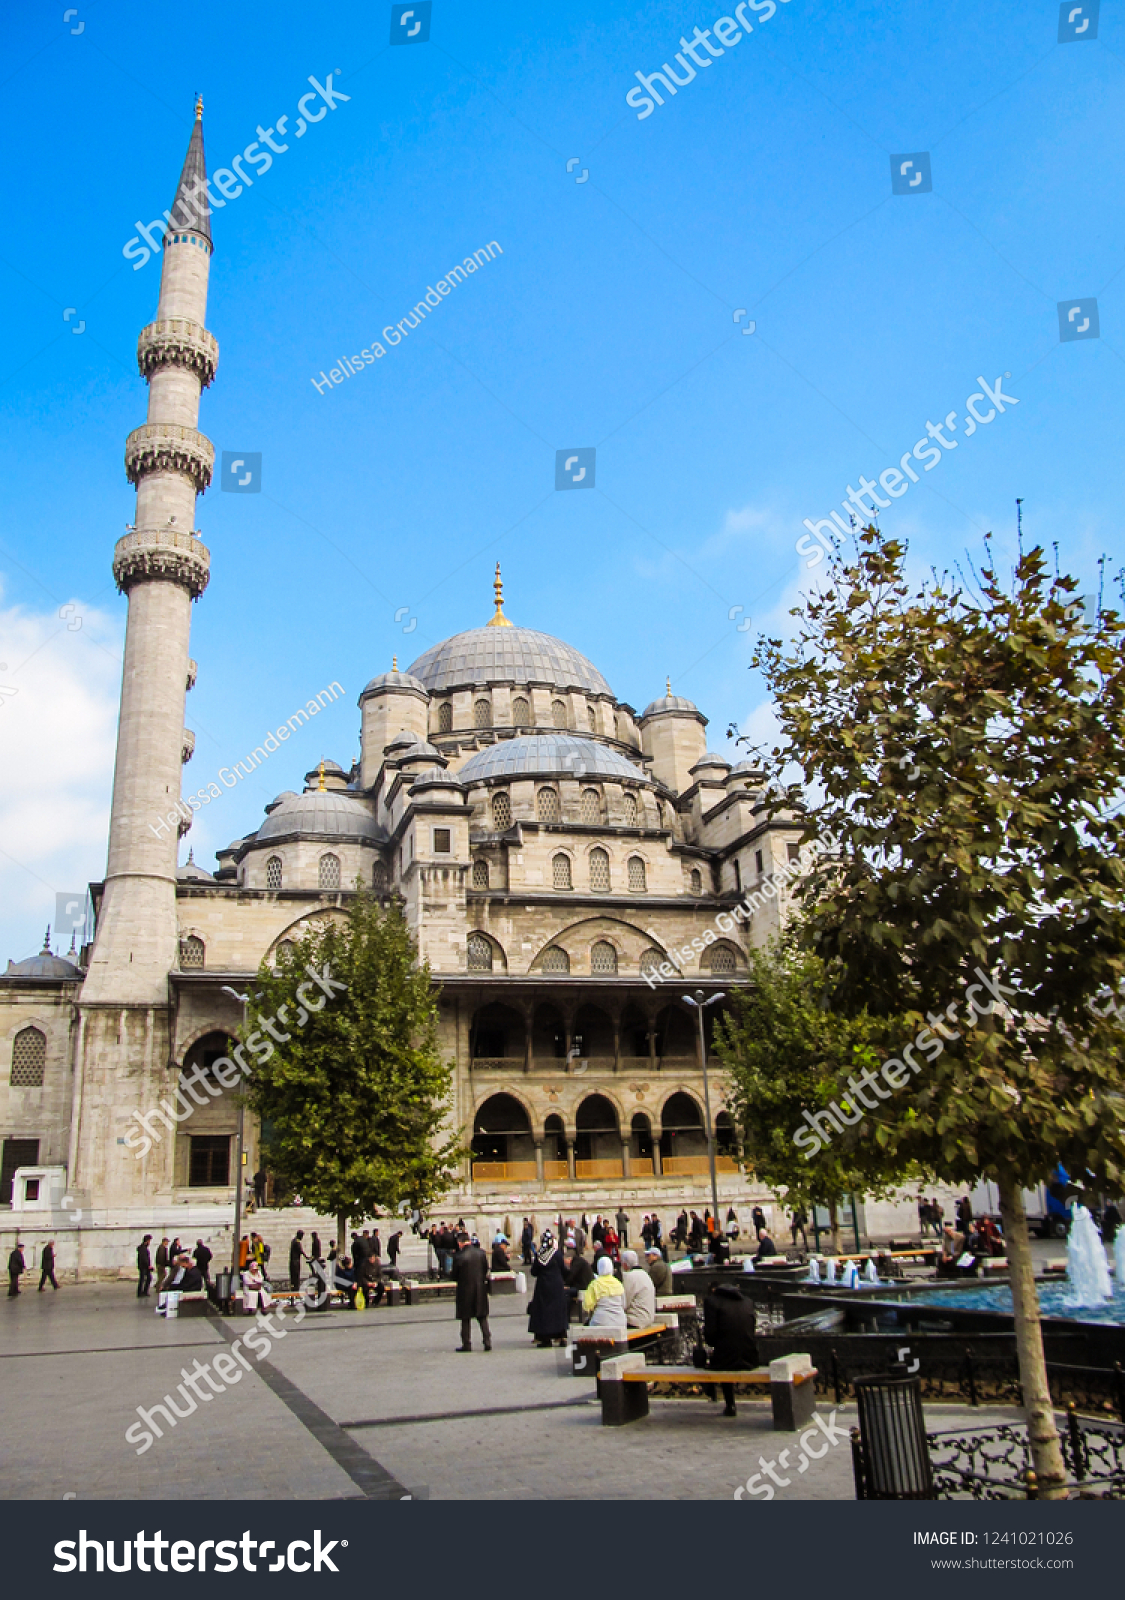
(549, 755)
(320, 814)
(506, 655)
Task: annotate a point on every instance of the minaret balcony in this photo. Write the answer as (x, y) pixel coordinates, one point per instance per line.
(169, 447)
(162, 553)
(178, 342)
(188, 746)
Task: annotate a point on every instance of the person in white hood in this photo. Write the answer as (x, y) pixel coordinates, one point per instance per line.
(640, 1292)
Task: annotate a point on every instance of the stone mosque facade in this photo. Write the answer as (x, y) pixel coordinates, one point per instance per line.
(568, 867)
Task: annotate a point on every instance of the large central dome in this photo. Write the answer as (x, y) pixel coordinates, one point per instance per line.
(506, 655)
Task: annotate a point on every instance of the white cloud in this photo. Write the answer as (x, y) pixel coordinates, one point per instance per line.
(57, 738)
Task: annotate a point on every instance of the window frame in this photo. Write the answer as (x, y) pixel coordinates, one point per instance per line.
(437, 835)
(324, 870)
(568, 886)
(598, 855)
(40, 1051)
(271, 863)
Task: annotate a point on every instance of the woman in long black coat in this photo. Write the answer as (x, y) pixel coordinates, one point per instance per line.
(548, 1313)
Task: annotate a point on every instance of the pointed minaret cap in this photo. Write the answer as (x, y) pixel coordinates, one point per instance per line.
(499, 620)
(190, 209)
(46, 950)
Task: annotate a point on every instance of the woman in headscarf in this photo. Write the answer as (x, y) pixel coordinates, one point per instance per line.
(605, 1298)
(255, 1292)
(548, 1312)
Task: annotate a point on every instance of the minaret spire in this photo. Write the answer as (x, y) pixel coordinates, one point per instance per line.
(499, 620)
(191, 209)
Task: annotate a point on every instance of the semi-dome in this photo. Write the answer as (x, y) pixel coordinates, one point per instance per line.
(549, 755)
(393, 680)
(320, 814)
(507, 655)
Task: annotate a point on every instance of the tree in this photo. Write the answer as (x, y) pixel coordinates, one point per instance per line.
(967, 752)
(785, 1053)
(353, 1097)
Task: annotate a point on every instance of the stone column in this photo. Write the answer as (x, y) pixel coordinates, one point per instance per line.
(570, 1158)
(657, 1170)
(626, 1169)
(539, 1160)
(528, 1046)
(617, 1044)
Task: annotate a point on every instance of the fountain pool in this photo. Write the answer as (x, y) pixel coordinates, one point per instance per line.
(1055, 1300)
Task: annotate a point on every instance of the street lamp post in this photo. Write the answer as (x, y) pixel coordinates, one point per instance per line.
(700, 1004)
(234, 1251)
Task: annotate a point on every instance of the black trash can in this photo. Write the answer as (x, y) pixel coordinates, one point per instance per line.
(895, 1458)
(223, 1289)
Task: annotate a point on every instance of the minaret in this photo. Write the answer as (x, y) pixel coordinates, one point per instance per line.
(162, 565)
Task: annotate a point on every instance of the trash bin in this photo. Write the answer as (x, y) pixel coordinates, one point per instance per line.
(172, 1304)
(895, 1458)
(223, 1289)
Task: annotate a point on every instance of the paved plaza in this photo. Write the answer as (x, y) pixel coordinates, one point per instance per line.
(357, 1405)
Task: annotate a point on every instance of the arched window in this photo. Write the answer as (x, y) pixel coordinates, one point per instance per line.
(479, 952)
(591, 807)
(635, 868)
(521, 712)
(560, 872)
(285, 952)
(603, 957)
(558, 713)
(482, 714)
(547, 805)
(192, 951)
(29, 1058)
(480, 873)
(445, 717)
(379, 877)
(599, 869)
(328, 872)
(555, 959)
(630, 800)
(592, 719)
(273, 872)
(651, 961)
(696, 881)
(501, 811)
(721, 959)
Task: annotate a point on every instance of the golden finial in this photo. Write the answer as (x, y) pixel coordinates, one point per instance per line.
(394, 663)
(668, 685)
(499, 620)
(321, 786)
(199, 108)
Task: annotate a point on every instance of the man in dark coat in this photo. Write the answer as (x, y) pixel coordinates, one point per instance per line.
(527, 1241)
(161, 1263)
(16, 1265)
(296, 1256)
(47, 1266)
(728, 1327)
(203, 1260)
(470, 1273)
(144, 1267)
(622, 1220)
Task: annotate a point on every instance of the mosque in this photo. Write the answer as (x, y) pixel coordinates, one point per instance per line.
(568, 867)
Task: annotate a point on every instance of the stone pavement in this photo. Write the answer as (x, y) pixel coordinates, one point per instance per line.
(375, 1404)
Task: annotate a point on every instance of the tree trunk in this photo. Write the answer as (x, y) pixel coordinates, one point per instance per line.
(1046, 1451)
(341, 1234)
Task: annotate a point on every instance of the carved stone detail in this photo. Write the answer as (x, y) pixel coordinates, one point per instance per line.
(180, 342)
(168, 447)
(189, 746)
(162, 553)
(192, 672)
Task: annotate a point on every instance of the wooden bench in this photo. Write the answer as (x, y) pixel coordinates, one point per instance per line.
(624, 1384)
(592, 1346)
(418, 1291)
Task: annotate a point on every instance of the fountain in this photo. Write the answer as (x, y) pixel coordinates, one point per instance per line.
(851, 1276)
(814, 1266)
(870, 1271)
(830, 1271)
(1119, 1260)
(1086, 1267)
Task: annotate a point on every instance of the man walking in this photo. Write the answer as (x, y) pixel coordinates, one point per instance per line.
(203, 1261)
(296, 1256)
(161, 1263)
(144, 1267)
(16, 1265)
(260, 1188)
(470, 1272)
(622, 1220)
(47, 1266)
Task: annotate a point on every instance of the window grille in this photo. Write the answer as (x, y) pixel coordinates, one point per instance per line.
(328, 876)
(630, 809)
(501, 811)
(555, 960)
(445, 717)
(273, 872)
(793, 850)
(599, 869)
(379, 877)
(480, 953)
(558, 713)
(696, 881)
(592, 719)
(29, 1058)
(636, 871)
(560, 872)
(591, 807)
(547, 802)
(210, 1161)
(603, 957)
(443, 841)
(191, 952)
(480, 873)
(651, 961)
(482, 714)
(722, 959)
(521, 712)
(285, 952)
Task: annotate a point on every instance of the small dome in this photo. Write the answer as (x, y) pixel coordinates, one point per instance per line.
(279, 800)
(393, 680)
(507, 655)
(191, 872)
(402, 741)
(435, 778)
(711, 759)
(320, 814)
(746, 769)
(555, 755)
(44, 965)
(670, 702)
(423, 752)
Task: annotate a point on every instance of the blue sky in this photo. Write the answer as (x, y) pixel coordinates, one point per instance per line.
(609, 320)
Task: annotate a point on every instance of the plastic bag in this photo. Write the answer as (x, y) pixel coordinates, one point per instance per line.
(521, 1282)
(360, 1300)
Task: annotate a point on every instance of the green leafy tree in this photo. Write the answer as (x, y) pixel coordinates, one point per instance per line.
(968, 752)
(785, 1054)
(355, 1098)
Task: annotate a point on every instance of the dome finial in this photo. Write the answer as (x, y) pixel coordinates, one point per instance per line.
(394, 663)
(199, 108)
(668, 684)
(46, 950)
(322, 787)
(499, 620)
